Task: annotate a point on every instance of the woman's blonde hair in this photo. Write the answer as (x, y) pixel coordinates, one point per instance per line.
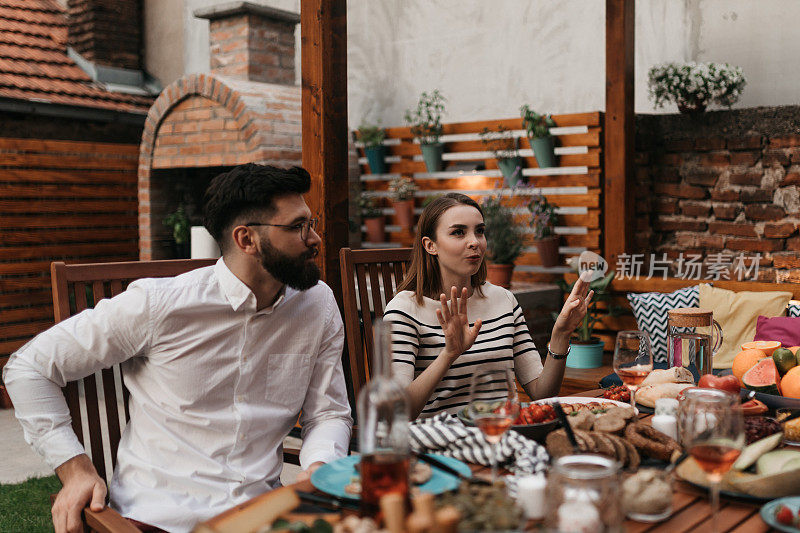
(424, 277)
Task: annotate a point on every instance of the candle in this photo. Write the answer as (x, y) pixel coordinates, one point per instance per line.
(530, 496)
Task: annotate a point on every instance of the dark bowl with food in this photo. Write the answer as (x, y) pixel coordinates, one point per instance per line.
(536, 431)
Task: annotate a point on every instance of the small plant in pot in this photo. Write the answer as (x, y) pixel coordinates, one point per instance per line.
(505, 147)
(503, 241)
(543, 221)
(181, 229)
(373, 218)
(586, 350)
(426, 126)
(402, 189)
(538, 129)
(373, 137)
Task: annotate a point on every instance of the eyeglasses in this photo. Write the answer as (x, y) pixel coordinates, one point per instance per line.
(302, 227)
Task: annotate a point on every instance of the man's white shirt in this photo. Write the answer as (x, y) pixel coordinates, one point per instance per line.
(215, 387)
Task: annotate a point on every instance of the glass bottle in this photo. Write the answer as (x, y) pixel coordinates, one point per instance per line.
(383, 434)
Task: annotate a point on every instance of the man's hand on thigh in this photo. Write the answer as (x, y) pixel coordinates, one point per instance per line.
(82, 486)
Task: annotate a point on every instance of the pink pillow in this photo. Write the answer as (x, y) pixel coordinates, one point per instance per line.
(785, 329)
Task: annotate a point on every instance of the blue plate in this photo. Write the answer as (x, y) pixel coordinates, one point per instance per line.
(768, 512)
(332, 477)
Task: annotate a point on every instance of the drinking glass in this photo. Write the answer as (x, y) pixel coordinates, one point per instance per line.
(711, 427)
(633, 359)
(493, 406)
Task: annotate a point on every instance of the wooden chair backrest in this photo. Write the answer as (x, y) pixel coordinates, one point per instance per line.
(81, 286)
(369, 280)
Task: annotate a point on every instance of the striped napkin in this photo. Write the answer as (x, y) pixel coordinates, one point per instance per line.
(447, 435)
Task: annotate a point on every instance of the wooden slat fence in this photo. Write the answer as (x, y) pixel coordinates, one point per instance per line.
(574, 186)
(59, 200)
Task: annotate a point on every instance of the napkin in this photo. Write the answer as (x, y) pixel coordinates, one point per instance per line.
(447, 435)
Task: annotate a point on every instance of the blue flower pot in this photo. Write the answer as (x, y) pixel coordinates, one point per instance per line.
(585, 355)
(432, 155)
(511, 168)
(375, 158)
(544, 151)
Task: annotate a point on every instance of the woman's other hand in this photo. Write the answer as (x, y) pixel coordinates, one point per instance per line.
(458, 336)
(575, 307)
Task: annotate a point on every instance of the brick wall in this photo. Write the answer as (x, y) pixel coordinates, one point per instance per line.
(107, 32)
(727, 181)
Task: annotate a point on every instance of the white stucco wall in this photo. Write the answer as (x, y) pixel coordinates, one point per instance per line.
(490, 57)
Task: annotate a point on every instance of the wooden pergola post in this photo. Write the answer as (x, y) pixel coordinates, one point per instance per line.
(619, 130)
(323, 34)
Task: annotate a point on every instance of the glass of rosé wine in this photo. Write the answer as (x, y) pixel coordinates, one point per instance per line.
(633, 359)
(711, 428)
(493, 406)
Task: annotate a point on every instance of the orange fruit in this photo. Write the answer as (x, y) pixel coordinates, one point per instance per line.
(790, 383)
(765, 346)
(793, 349)
(744, 361)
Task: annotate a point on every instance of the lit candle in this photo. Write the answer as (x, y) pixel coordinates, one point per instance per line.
(530, 496)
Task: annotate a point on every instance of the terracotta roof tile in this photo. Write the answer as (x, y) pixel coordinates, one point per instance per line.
(34, 64)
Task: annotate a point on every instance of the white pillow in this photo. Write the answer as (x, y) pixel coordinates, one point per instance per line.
(650, 310)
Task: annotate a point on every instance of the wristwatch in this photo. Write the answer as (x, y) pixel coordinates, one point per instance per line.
(557, 356)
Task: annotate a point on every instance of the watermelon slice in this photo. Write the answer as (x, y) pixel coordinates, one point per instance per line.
(763, 377)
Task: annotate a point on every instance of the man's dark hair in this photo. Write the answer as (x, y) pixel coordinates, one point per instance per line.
(247, 191)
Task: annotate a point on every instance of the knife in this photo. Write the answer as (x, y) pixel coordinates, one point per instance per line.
(567, 427)
(333, 502)
(436, 463)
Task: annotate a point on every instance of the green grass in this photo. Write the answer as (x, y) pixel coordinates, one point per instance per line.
(26, 507)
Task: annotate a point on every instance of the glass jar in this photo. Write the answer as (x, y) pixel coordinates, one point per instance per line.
(383, 434)
(690, 344)
(647, 495)
(583, 495)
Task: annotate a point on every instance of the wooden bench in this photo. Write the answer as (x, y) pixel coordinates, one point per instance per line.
(576, 379)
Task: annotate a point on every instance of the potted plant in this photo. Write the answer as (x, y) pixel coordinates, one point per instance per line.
(179, 222)
(502, 143)
(373, 218)
(586, 350)
(426, 126)
(373, 137)
(693, 86)
(543, 221)
(402, 189)
(538, 129)
(503, 241)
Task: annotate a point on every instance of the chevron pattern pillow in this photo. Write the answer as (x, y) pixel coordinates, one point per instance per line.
(793, 310)
(650, 310)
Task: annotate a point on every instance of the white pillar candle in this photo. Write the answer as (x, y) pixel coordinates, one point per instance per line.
(530, 496)
(203, 244)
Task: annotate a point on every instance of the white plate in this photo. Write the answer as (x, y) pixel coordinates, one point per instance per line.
(584, 399)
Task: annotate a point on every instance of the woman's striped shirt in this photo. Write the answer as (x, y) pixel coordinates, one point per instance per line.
(503, 341)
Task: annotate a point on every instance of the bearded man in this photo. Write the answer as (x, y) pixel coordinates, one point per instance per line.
(219, 362)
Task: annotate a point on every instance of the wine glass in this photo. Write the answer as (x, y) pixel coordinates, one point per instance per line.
(633, 359)
(493, 406)
(711, 428)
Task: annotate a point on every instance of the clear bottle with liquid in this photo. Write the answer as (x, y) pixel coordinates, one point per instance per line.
(694, 337)
(383, 433)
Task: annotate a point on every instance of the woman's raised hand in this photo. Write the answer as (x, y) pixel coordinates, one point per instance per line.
(576, 306)
(458, 336)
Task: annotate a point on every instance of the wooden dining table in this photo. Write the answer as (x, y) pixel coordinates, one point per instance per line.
(691, 507)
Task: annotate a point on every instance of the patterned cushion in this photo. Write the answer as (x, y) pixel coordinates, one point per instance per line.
(794, 309)
(650, 310)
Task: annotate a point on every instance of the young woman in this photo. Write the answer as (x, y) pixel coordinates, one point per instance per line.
(436, 347)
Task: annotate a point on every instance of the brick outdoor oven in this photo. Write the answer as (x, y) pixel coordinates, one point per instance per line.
(246, 109)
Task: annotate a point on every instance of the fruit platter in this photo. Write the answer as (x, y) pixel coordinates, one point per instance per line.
(771, 371)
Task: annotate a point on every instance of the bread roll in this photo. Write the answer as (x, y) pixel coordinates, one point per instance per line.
(676, 374)
(648, 395)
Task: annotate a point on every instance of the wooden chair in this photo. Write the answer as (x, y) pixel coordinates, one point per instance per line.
(369, 280)
(76, 287)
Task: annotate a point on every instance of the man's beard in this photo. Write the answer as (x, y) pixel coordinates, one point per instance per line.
(297, 272)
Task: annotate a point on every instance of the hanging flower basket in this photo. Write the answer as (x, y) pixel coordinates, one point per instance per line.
(693, 86)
